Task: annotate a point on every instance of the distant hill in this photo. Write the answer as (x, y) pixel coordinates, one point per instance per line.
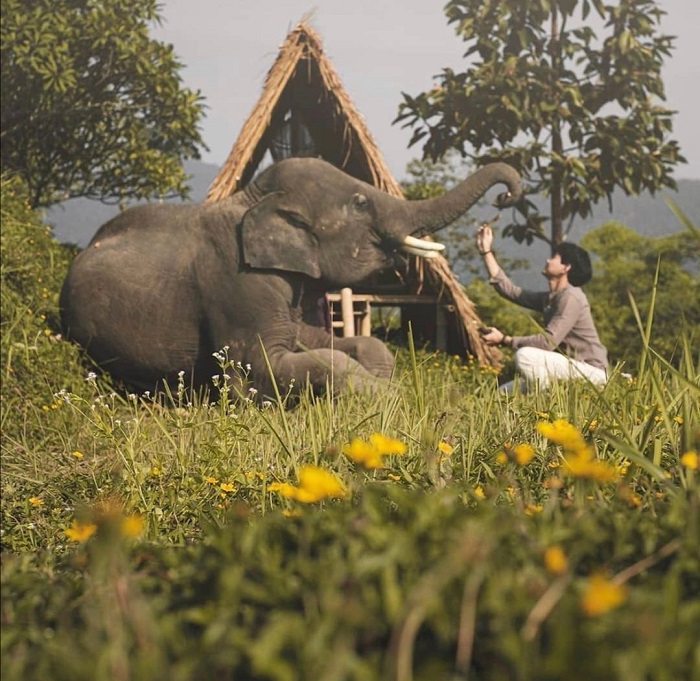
(76, 221)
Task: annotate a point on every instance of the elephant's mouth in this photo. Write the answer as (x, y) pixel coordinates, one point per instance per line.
(421, 247)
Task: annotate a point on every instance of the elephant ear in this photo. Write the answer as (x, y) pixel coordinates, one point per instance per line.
(276, 236)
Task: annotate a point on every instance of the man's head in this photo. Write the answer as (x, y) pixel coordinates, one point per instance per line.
(578, 260)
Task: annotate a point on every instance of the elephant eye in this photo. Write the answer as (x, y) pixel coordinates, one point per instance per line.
(360, 202)
(294, 218)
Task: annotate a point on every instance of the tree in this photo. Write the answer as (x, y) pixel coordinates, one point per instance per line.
(625, 266)
(577, 115)
(91, 106)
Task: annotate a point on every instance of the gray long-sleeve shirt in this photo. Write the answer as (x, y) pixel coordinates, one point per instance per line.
(568, 323)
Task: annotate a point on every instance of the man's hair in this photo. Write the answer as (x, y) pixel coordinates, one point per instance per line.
(571, 254)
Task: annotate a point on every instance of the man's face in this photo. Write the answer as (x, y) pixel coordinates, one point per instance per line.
(554, 267)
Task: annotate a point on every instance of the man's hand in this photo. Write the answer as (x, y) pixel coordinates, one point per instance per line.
(491, 335)
(484, 238)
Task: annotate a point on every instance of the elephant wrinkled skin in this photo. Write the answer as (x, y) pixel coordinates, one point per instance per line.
(161, 288)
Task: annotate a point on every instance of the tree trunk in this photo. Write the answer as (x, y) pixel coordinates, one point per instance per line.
(557, 146)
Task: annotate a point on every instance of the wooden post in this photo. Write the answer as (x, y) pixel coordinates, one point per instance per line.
(365, 319)
(347, 312)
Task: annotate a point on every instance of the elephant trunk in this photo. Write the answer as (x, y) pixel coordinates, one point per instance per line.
(425, 216)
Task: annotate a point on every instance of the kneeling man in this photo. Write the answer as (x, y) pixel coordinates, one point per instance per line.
(569, 347)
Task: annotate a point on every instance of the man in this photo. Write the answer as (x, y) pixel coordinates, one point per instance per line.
(569, 347)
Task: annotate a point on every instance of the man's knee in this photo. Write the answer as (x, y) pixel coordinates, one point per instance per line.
(527, 359)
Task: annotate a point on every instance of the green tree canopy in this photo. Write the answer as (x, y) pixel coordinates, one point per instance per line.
(625, 267)
(91, 106)
(578, 115)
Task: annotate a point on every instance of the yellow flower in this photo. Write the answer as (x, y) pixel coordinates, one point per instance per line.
(291, 512)
(479, 492)
(363, 452)
(36, 501)
(690, 460)
(394, 477)
(80, 531)
(317, 483)
(601, 594)
(623, 467)
(387, 445)
(634, 499)
(579, 459)
(523, 453)
(678, 419)
(77, 454)
(155, 471)
(284, 488)
(131, 526)
(584, 465)
(445, 448)
(531, 509)
(314, 484)
(561, 432)
(552, 483)
(555, 560)
(210, 479)
(370, 454)
(227, 487)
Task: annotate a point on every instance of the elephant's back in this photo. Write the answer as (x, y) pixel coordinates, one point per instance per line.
(147, 221)
(132, 303)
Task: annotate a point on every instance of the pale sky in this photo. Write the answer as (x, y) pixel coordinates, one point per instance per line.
(379, 48)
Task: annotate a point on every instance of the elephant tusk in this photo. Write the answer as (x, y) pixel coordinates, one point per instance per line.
(421, 247)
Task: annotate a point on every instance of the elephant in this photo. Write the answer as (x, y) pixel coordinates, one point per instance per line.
(161, 289)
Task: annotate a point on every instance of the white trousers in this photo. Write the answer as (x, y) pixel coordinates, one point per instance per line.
(539, 367)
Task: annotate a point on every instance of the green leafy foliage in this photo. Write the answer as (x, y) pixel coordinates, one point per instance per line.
(91, 106)
(576, 113)
(624, 262)
(34, 359)
(369, 590)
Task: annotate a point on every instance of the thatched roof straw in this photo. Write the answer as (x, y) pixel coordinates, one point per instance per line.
(443, 281)
(303, 84)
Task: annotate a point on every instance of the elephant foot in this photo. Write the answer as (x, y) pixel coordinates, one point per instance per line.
(327, 369)
(371, 353)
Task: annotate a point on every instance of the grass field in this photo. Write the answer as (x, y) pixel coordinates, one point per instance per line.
(438, 530)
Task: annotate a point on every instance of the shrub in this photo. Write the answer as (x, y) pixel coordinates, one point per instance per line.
(35, 363)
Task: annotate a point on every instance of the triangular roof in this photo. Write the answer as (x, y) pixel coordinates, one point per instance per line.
(303, 82)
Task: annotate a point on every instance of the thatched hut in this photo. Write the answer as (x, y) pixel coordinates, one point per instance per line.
(304, 110)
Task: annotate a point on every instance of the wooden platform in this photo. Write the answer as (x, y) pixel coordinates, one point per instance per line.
(352, 312)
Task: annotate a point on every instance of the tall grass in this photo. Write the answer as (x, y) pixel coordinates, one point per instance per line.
(149, 537)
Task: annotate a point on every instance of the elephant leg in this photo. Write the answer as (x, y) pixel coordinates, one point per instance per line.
(370, 352)
(322, 368)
